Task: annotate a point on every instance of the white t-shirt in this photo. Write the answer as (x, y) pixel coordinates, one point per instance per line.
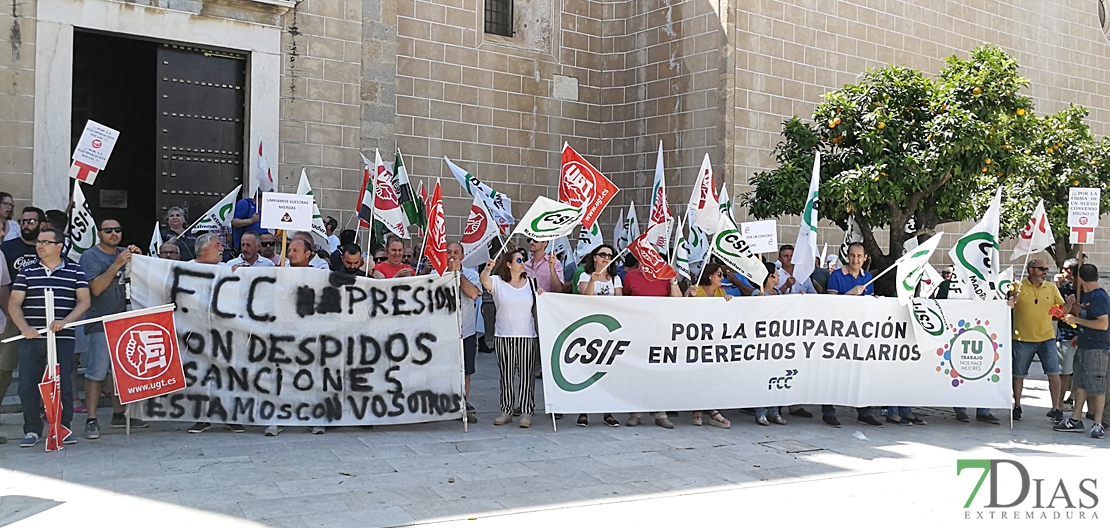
(608, 287)
(468, 312)
(514, 310)
(799, 286)
(13, 231)
(260, 262)
(316, 262)
(333, 243)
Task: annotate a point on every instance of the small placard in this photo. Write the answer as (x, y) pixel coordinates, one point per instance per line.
(286, 211)
(113, 199)
(762, 236)
(1083, 206)
(96, 144)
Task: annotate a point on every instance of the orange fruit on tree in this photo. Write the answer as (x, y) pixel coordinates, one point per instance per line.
(881, 125)
(1020, 111)
(977, 91)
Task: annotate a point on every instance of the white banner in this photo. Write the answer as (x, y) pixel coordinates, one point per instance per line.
(301, 346)
(617, 354)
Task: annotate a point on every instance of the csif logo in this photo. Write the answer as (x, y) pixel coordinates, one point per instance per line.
(782, 382)
(1014, 492)
(556, 220)
(976, 247)
(585, 351)
(731, 243)
(929, 316)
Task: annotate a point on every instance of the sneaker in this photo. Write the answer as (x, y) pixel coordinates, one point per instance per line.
(120, 421)
(634, 419)
(92, 430)
(1069, 426)
(582, 421)
(662, 421)
(831, 421)
(318, 430)
(900, 421)
(801, 413)
(610, 421)
(762, 420)
(988, 418)
(503, 419)
(1017, 412)
(273, 430)
(962, 417)
(525, 421)
(236, 428)
(1056, 415)
(200, 427)
(869, 420)
(29, 440)
(70, 439)
(1097, 431)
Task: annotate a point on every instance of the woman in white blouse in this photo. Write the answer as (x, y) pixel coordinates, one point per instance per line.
(514, 334)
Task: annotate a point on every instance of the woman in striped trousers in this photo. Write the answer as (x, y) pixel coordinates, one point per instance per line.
(515, 334)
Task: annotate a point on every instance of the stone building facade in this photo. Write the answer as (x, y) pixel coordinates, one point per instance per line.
(327, 79)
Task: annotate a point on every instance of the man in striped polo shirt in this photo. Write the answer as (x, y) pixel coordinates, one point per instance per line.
(27, 308)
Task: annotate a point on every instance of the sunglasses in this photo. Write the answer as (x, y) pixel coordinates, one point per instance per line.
(518, 260)
(268, 244)
(112, 229)
(380, 259)
(606, 256)
(1042, 268)
(28, 221)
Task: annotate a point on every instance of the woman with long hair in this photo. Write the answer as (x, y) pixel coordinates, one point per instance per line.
(600, 278)
(175, 230)
(710, 286)
(514, 334)
(9, 228)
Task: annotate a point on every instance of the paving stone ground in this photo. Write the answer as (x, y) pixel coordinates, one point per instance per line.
(404, 475)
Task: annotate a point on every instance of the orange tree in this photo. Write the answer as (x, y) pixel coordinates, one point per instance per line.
(902, 149)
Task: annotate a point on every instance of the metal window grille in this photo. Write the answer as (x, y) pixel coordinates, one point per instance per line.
(499, 17)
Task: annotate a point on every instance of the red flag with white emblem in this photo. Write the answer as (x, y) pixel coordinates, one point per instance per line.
(480, 228)
(581, 185)
(145, 356)
(435, 244)
(653, 266)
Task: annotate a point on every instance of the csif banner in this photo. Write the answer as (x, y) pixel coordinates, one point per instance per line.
(616, 354)
(302, 346)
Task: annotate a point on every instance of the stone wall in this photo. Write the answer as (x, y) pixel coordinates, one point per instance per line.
(17, 101)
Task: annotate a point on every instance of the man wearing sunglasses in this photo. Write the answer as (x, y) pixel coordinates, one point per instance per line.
(1034, 334)
(20, 252)
(268, 244)
(103, 265)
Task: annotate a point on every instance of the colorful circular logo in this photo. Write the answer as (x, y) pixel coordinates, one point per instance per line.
(972, 353)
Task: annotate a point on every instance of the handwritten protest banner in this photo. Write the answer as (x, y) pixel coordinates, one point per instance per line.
(613, 354)
(306, 347)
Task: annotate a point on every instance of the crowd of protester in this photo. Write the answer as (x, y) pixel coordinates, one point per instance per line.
(500, 315)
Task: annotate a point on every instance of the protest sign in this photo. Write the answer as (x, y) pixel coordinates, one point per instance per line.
(762, 236)
(92, 152)
(1083, 213)
(301, 346)
(145, 357)
(291, 212)
(615, 354)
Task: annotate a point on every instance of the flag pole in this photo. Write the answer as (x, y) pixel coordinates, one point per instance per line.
(284, 243)
(102, 319)
(709, 254)
(876, 277)
(677, 235)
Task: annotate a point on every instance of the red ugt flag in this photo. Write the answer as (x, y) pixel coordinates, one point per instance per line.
(581, 185)
(652, 265)
(435, 244)
(145, 356)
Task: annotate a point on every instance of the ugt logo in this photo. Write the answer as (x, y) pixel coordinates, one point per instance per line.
(1010, 491)
(782, 382)
(585, 351)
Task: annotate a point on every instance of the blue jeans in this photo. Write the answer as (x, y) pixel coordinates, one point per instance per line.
(978, 412)
(767, 411)
(904, 412)
(829, 410)
(1023, 353)
(32, 365)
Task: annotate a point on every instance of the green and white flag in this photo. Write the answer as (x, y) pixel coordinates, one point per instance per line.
(319, 232)
(618, 233)
(631, 229)
(805, 248)
(588, 239)
(82, 228)
(498, 204)
(682, 258)
(975, 256)
(853, 235)
(548, 219)
(731, 247)
(413, 208)
(1005, 281)
(725, 204)
(218, 217)
(911, 267)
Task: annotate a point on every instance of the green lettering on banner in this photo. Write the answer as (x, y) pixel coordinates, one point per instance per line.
(556, 351)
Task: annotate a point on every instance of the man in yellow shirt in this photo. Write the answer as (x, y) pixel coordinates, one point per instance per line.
(1035, 334)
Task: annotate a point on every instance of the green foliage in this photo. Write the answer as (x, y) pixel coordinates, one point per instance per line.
(900, 146)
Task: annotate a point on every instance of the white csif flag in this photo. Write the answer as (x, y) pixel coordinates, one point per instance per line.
(930, 281)
(319, 232)
(156, 240)
(548, 219)
(618, 233)
(1036, 236)
(82, 227)
(218, 217)
(659, 214)
(805, 248)
(975, 255)
(631, 227)
(1005, 281)
(731, 247)
(682, 258)
(588, 239)
(911, 268)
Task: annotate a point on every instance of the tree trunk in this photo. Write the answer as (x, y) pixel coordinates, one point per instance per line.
(1069, 251)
